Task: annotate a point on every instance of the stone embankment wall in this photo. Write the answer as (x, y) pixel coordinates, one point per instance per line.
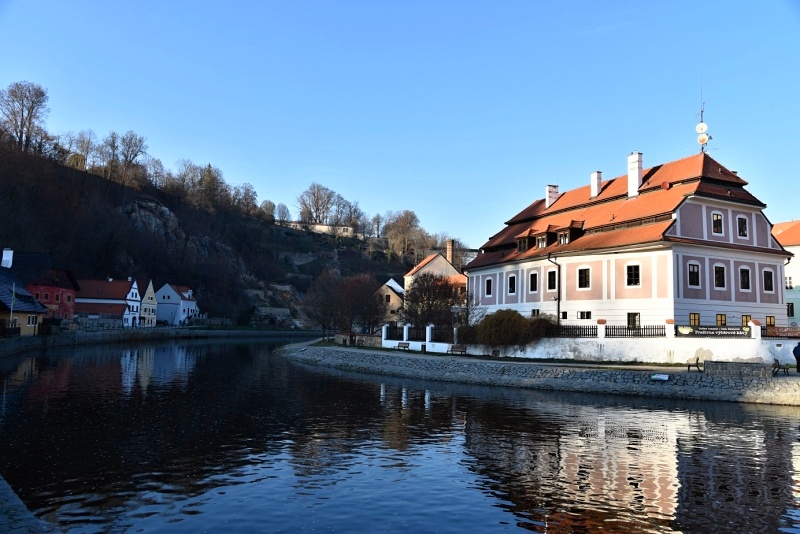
(761, 387)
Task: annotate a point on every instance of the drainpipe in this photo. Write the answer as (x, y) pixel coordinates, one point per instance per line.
(558, 287)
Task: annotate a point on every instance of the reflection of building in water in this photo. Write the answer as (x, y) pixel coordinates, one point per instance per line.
(158, 366)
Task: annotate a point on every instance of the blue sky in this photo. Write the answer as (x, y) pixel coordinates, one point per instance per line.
(461, 111)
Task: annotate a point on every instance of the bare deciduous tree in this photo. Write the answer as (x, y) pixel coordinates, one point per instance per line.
(282, 214)
(267, 210)
(317, 202)
(23, 107)
(400, 230)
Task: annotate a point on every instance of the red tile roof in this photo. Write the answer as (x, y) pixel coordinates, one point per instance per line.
(103, 289)
(107, 309)
(612, 219)
(422, 264)
(787, 233)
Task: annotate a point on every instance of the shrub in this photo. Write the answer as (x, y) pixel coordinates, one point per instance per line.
(508, 328)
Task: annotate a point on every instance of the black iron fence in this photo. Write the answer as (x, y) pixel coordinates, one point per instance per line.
(442, 334)
(416, 333)
(572, 330)
(636, 331)
(394, 332)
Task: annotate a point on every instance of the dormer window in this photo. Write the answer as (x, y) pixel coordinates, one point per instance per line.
(522, 244)
(541, 242)
(563, 238)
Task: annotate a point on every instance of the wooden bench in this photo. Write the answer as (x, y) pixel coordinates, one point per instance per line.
(777, 368)
(696, 364)
(460, 349)
(405, 345)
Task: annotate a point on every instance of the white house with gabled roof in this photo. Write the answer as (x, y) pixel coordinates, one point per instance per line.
(682, 241)
(176, 305)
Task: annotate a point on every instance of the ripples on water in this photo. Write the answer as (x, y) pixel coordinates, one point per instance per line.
(231, 438)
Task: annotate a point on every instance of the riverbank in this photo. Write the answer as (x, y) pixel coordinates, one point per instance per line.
(21, 345)
(646, 381)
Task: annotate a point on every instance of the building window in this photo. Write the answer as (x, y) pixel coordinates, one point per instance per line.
(563, 238)
(584, 279)
(790, 309)
(719, 277)
(716, 223)
(563, 315)
(741, 225)
(694, 319)
(533, 282)
(551, 280)
(36, 295)
(535, 312)
(769, 286)
(541, 242)
(488, 291)
(633, 320)
(388, 298)
(722, 319)
(789, 282)
(632, 276)
(694, 275)
(46, 297)
(744, 279)
(69, 298)
(745, 320)
(522, 244)
(33, 320)
(585, 315)
(57, 296)
(770, 320)
(512, 285)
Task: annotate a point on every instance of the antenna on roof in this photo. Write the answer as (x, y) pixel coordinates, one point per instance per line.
(703, 138)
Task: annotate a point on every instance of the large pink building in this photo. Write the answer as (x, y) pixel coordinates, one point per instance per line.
(683, 241)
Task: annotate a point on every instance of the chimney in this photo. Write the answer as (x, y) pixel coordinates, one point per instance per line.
(550, 195)
(595, 180)
(8, 258)
(449, 251)
(634, 173)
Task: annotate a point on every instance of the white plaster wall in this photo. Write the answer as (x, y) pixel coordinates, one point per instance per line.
(657, 350)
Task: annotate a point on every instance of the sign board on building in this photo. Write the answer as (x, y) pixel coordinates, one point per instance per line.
(713, 331)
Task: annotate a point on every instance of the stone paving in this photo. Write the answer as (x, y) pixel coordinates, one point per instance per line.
(647, 381)
(15, 518)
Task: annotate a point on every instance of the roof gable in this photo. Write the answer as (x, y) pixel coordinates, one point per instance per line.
(787, 233)
(104, 289)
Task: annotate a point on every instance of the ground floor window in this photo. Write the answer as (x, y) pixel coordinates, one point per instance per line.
(694, 319)
(790, 309)
(770, 320)
(745, 320)
(534, 313)
(585, 315)
(633, 320)
(722, 319)
(563, 315)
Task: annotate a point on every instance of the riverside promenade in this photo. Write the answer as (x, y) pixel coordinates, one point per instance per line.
(720, 381)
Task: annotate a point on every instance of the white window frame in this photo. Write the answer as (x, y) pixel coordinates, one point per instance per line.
(535, 274)
(749, 279)
(487, 287)
(509, 278)
(633, 264)
(578, 278)
(722, 223)
(553, 290)
(584, 315)
(714, 276)
(541, 241)
(746, 227)
(563, 238)
(699, 275)
(763, 280)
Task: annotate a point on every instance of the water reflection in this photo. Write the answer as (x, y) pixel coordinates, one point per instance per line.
(182, 437)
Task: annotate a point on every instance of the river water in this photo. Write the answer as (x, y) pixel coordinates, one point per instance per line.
(227, 437)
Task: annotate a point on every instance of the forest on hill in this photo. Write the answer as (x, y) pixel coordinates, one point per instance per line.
(105, 208)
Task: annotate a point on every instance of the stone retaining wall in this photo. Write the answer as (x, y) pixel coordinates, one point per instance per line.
(679, 384)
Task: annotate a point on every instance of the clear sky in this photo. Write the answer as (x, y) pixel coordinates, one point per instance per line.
(462, 111)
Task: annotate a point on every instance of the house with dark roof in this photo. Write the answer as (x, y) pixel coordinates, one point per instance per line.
(788, 235)
(20, 312)
(682, 241)
(55, 288)
(116, 302)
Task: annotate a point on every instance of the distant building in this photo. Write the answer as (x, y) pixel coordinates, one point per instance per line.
(114, 302)
(177, 305)
(392, 294)
(20, 312)
(55, 288)
(788, 235)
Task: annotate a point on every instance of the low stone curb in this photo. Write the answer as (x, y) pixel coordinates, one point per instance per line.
(783, 390)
